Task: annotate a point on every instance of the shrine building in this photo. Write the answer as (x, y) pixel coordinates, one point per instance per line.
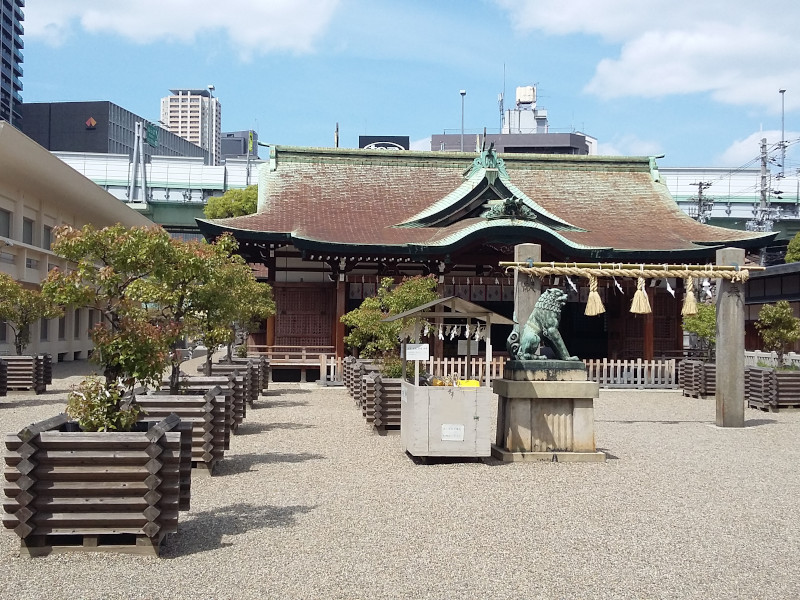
(331, 222)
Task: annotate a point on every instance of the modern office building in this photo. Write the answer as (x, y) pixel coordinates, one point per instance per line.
(239, 144)
(525, 129)
(100, 127)
(195, 115)
(11, 30)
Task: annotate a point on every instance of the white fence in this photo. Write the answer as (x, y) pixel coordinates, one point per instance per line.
(769, 359)
(633, 374)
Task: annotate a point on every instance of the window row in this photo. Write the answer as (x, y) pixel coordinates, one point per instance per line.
(29, 234)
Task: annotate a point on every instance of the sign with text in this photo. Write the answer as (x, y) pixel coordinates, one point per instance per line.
(418, 351)
(462, 347)
(452, 433)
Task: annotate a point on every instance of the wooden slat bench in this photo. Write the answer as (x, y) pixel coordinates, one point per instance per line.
(293, 357)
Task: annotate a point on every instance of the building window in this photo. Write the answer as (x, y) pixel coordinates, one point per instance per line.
(3, 332)
(47, 237)
(62, 328)
(77, 321)
(27, 231)
(5, 223)
(45, 330)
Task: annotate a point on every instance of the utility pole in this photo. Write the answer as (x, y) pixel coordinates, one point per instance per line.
(783, 136)
(703, 206)
(763, 206)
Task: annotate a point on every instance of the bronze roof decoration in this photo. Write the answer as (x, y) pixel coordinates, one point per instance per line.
(407, 203)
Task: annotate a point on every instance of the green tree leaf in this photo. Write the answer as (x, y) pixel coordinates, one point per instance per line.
(233, 203)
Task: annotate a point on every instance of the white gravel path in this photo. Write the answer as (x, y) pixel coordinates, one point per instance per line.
(309, 503)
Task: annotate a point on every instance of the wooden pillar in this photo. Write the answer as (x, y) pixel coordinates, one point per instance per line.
(527, 289)
(730, 344)
(270, 337)
(338, 326)
(649, 326)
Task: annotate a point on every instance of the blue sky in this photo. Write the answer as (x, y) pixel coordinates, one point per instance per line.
(696, 81)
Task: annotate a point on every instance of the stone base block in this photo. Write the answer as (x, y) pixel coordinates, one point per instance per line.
(545, 370)
(545, 416)
(506, 456)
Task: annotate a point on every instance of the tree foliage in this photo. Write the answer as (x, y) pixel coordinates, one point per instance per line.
(21, 307)
(152, 290)
(703, 325)
(233, 203)
(368, 336)
(111, 268)
(793, 249)
(779, 328)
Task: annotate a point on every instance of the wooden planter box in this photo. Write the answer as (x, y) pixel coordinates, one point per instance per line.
(247, 373)
(232, 389)
(697, 378)
(262, 367)
(771, 389)
(73, 490)
(205, 418)
(387, 403)
(28, 372)
(446, 421)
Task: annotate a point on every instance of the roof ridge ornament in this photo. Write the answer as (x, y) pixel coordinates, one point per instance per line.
(510, 208)
(489, 160)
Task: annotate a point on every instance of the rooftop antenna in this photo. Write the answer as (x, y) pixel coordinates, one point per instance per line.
(336, 136)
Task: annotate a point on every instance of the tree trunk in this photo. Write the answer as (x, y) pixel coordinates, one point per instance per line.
(207, 367)
(174, 378)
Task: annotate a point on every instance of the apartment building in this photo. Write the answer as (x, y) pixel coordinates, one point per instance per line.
(195, 115)
(11, 30)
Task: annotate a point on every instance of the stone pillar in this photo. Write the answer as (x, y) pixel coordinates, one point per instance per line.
(730, 344)
(527, 289)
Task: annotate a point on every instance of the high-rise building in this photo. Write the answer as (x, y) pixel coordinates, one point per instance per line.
(11, 46)
(195, 115)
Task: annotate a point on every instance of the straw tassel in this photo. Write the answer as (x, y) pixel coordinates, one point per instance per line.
(594, 305)
(640, 304)
(689, 301)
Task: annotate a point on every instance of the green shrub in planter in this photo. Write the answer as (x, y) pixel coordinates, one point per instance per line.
(99, 408)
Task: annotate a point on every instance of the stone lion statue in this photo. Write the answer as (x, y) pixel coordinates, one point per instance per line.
(543, 323)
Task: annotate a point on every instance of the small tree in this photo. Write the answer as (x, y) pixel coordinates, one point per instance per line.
(793, 249)
(704, 326)
(231, 297)
(21, 307)
(111, 269)
(233, 203)
(370, 337)
(779, 328)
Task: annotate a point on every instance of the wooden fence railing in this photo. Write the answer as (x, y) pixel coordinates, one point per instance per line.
(640, 374)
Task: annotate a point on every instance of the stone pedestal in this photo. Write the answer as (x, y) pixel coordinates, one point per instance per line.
(546, 412)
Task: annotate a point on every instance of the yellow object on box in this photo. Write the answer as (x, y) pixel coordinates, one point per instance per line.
(468, 383)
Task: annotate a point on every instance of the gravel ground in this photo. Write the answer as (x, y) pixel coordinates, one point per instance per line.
(310, 503)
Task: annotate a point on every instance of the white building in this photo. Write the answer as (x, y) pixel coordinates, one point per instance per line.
(37, 193)
(195, 115)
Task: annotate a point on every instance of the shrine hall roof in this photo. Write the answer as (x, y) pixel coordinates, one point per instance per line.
(433, 203)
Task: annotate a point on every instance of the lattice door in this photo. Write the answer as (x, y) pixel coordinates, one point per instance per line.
(304, 316)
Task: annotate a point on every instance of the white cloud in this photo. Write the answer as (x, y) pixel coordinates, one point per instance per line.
(252, 26)
(423, 144)
(629, 145)
(738, 51)
(747, 151)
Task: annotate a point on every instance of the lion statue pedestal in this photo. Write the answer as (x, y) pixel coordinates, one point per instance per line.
(545, 407)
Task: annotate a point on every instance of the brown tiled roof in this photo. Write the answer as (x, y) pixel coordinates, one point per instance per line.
(327, 197)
